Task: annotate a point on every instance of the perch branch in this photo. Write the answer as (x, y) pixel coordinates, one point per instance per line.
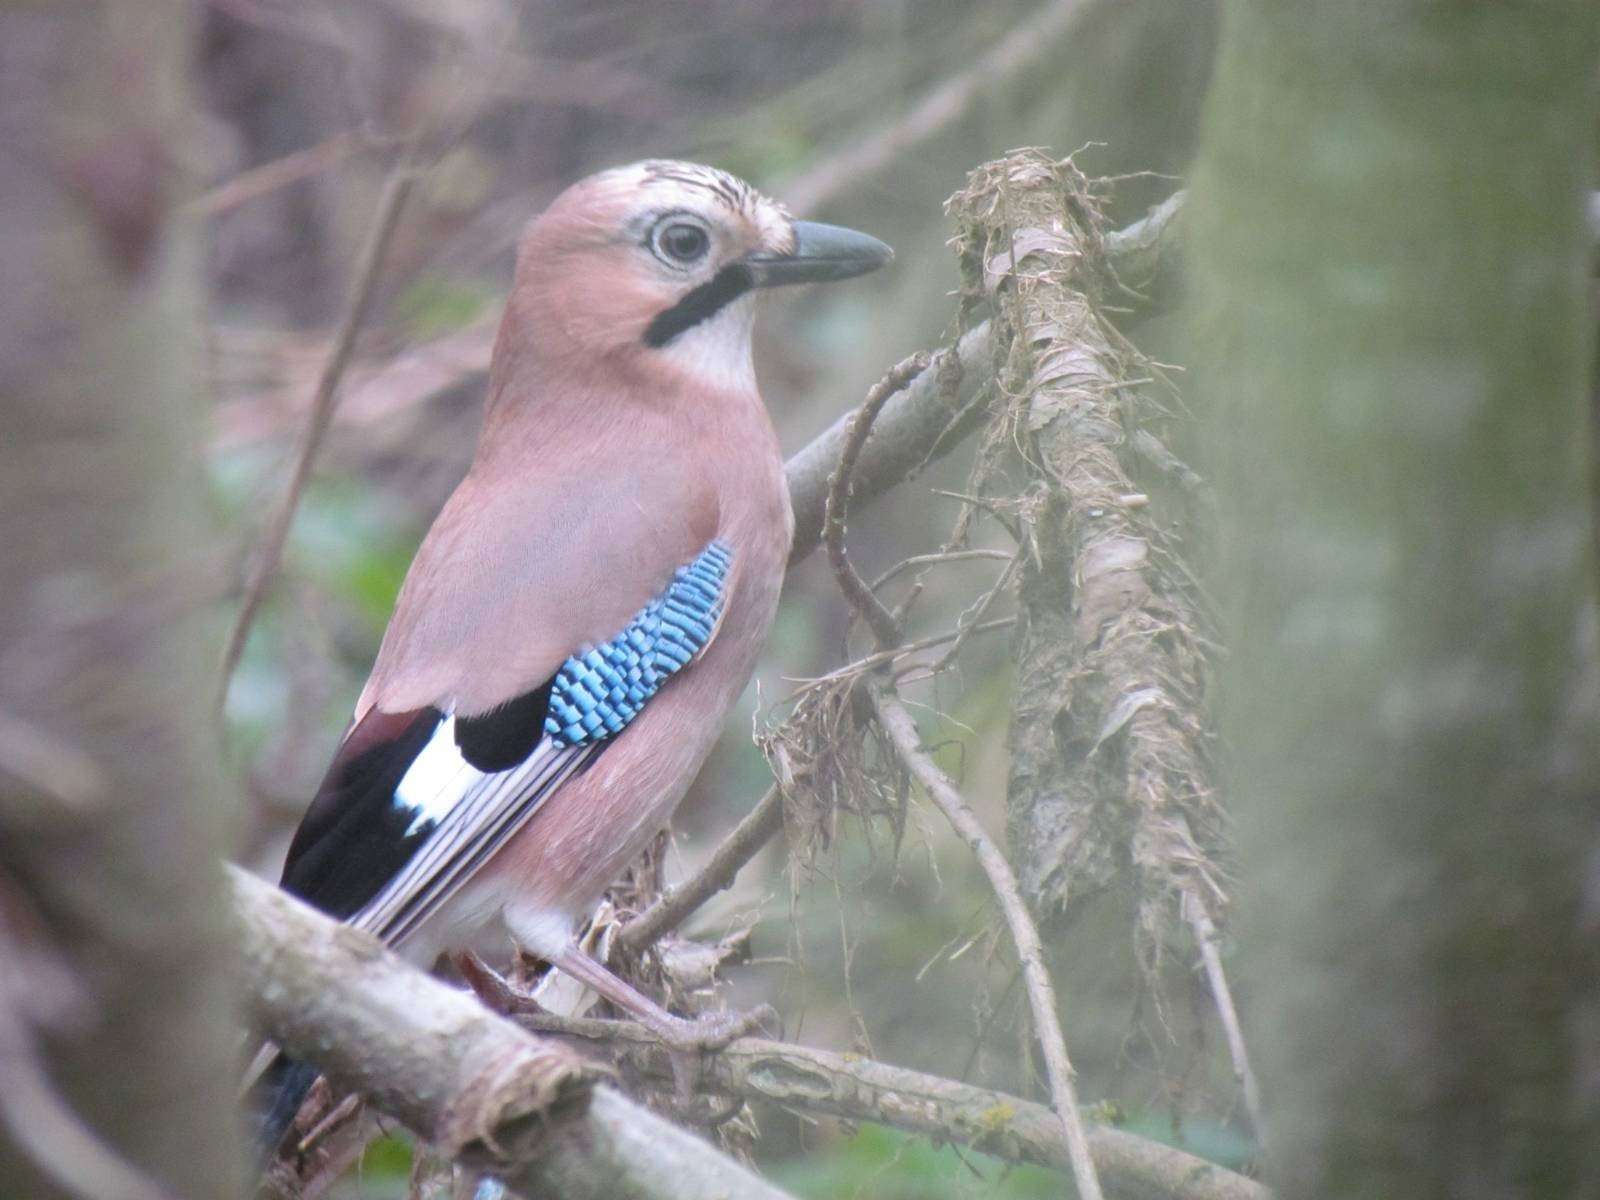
(480, 1089)
(391, 201)
(371, 1021)
(862, 1089)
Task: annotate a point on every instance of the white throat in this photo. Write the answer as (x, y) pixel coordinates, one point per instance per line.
(716, 352)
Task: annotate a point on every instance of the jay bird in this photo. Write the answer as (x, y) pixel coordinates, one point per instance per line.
(590, 601)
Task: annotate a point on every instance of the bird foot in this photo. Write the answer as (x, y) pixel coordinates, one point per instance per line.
(712, 1031)
(687, 1040)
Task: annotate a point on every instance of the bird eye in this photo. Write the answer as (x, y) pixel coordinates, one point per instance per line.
(681, 242)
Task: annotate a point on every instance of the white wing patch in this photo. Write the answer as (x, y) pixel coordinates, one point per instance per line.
(437, 780)
(473, 814)
(465, 814)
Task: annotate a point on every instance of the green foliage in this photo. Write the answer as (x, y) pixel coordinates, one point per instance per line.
(346, 541)
(1218, 1143)
(347, 555)
(877, 1163)
(438, 304)
(385, 1168)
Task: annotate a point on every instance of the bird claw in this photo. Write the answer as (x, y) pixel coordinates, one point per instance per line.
(687, 1040)
(713, 1031)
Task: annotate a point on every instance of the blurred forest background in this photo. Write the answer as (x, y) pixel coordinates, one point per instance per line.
(782, 95)
(1381, 364)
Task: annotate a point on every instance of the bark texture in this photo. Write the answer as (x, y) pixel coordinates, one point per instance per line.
(859, 1089)
(1110, 778)
(479, 1088)
(111, 802)
(1388, 251)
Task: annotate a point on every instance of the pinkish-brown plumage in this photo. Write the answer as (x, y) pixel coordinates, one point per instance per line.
(623, 435)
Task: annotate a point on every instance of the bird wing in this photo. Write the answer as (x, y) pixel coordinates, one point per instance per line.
(438, 771)
(529, 559)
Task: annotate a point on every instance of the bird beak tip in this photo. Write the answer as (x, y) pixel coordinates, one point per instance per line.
(821, 254)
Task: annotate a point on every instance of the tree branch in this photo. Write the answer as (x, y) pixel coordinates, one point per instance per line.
(438, 1061)
(482, 1090)
(757, 828)
(1206, 936)
(861, 1089)
(883, 623)
(903, 735)
(1111, 772)
(917, 425)
(939, 108)
(384, 220)
(902, 730)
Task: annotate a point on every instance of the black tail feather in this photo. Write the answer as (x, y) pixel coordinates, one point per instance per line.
(275, 1099)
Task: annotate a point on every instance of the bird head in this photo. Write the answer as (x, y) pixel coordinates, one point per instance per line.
(658, 263)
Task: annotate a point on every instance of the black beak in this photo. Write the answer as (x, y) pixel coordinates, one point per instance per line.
(822, 254)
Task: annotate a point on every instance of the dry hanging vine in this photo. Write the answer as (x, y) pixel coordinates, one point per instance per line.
(1111, 758)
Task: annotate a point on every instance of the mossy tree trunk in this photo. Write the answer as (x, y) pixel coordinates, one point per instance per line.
(1389, 252)
(112, 816)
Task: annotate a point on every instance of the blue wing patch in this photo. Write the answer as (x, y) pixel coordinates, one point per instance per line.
(597, 693)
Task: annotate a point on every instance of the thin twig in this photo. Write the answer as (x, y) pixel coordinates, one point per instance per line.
(879, 618)
(946, 556)
(759, 827)
(38, 1119)
(1151, 448)
(938, 109)
(858, 1088)
(280, 172)
(336, 1116)
(902, 730)
(970, 620)
(949, 375)
(878, 658)
(1206, 934)
(386, 217)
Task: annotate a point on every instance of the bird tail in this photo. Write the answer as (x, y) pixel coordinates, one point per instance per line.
(274, 1100)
